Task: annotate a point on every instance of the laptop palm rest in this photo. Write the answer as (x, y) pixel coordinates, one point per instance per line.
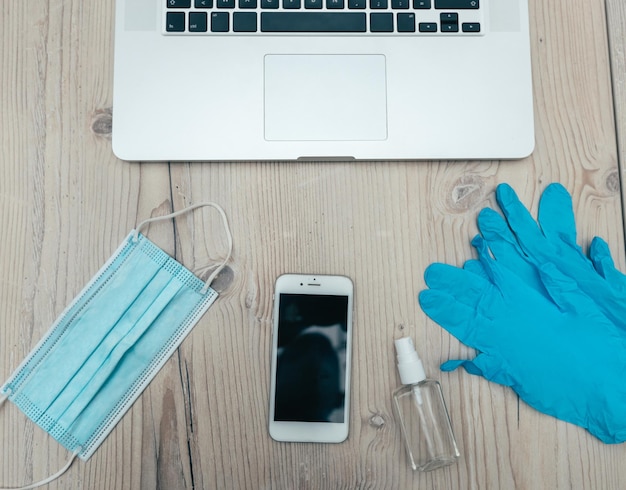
(325, 98)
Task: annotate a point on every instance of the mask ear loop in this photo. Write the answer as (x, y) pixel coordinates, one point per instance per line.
(51, 478)
(229, 235)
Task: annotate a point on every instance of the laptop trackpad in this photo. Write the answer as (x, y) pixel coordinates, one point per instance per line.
(325, 98)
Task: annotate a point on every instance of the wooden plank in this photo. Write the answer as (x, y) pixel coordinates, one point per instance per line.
(616, 20)
(67, 203)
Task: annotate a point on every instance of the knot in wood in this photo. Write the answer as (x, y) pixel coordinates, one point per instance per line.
(377, 421)
(223, 280)
(102, 123)
(612, 182)
(466, 193)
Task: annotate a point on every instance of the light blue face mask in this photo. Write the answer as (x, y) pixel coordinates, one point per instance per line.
(109, 343)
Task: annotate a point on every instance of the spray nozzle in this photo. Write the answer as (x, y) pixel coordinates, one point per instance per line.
(409, 364)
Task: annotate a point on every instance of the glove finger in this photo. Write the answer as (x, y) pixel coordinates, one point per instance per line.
(452, 365)
(566, 293)
(556, 215)
(526, 282)
(475, 267)
(492, 269)
(505, 248)
(603, 263)
(539, 248)
(468, 365)
(465, 286)
(460, 320)
(498, 235)
(485, 365)
(525, 228)
(585, 295)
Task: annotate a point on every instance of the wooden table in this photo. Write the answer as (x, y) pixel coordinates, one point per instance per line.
(67, 202)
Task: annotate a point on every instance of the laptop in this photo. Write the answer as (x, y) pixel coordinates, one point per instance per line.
(222, 80)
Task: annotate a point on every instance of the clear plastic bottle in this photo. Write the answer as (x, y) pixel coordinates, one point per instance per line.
(422, 413)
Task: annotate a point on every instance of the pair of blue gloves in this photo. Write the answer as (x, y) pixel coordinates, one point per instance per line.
(546, 319)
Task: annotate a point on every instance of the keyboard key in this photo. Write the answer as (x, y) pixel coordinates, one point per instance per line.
(203, 4)
(269, 4)
(247, 4)
(378, 4)
(456, 4)
(312, 4)
(421, 4)
(428, 27)
(175, 22)
(219, 22)
(470, 27)
(334, 4)
(291, 4)
(313, 22)
(197, 22)
(449, 27)
(399, 4)
(381, 22)
(244, 22)
(178, 4)
(449, 18)
(357, 4)
(406, 22)
(225, 4)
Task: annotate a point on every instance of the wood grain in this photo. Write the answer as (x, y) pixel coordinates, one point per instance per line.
(616, 20)
(202, 423)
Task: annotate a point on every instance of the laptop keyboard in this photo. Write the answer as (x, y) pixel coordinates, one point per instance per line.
(246, 17)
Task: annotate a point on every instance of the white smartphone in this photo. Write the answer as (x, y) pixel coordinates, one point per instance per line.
(311, 354)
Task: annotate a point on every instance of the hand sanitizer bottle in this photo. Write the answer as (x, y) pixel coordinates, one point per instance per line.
(422, 413)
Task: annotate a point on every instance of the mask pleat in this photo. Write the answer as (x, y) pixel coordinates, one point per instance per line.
(64, 323)
(94, 322)
(136, 363)
(103, 361)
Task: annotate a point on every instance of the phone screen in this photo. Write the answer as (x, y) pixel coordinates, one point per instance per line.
(311, 358)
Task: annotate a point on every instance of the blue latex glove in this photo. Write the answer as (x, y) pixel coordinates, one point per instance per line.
(523, 245)
(550, 344)
(603, 263)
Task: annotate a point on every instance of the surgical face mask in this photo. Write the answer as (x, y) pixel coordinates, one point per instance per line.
(110, 342)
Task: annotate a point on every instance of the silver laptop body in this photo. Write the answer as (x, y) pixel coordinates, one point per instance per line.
(307, 79)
